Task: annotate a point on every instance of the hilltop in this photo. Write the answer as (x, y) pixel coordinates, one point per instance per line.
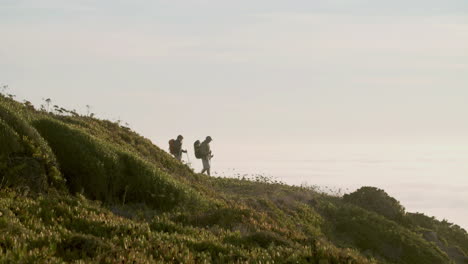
(76, 188)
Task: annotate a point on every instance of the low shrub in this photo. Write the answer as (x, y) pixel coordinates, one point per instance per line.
(25, 157)
(104, 172)
(370, 232)
(78, 246)
(376, 200)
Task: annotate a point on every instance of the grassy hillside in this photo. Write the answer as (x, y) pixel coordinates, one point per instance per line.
(74, 188)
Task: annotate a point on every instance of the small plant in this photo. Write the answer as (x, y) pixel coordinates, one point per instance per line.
(3, 88)
(74, 113)
(29, 105)
(57, 110)
(3, 183)
(47, 102)
(88, 110)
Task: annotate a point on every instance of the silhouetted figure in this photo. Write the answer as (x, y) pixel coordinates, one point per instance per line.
(175, 147)
(206, 155)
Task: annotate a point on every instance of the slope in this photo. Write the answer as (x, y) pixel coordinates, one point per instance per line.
(107, 195)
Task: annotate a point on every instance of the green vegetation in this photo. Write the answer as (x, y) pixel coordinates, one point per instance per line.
(74, 188)
(25, 157)
(108, 173)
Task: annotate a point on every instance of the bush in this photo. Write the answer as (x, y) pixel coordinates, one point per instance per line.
(104, 172)
(223, 217)
(25, 157)
(77, 246)
(379, 236)
(376, 200)
(11, 142)
(262, 239)
(120, 136)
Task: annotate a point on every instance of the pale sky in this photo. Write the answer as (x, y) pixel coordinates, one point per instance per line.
(251, 72)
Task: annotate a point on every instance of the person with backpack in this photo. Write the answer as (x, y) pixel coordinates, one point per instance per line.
(206, 155)
(175, 147)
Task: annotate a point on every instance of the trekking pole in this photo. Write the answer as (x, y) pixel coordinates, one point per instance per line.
(188, 159)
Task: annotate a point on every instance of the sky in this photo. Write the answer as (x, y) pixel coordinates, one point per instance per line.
(248, 72)
(266, 79)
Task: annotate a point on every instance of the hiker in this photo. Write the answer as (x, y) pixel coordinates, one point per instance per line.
(205, 152)
(175, 147)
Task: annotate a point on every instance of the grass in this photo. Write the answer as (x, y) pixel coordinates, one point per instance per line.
(26, 158)
(109, 173)
(108, 195)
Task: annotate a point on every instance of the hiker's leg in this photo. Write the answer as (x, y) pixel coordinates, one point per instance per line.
(206, 166)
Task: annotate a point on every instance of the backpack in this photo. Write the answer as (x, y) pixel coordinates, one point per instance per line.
(196, 147)
(172, 147)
